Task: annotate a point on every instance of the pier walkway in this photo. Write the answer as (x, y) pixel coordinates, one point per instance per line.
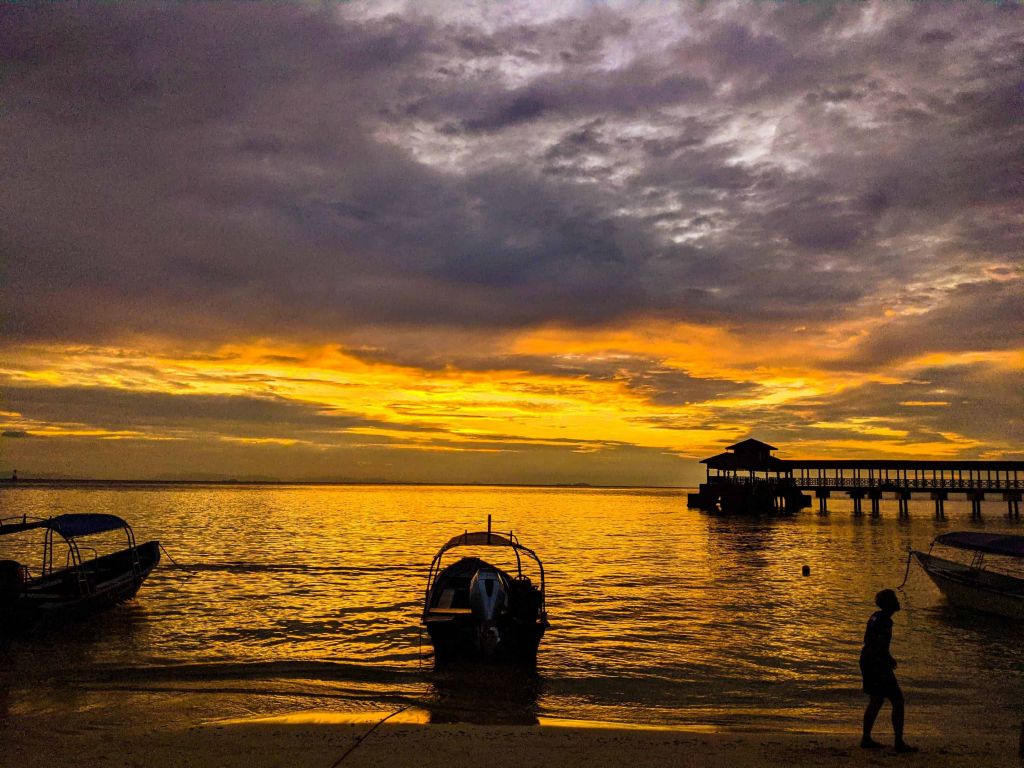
(747, 478)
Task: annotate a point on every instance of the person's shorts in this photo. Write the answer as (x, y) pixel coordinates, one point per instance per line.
(880, 680)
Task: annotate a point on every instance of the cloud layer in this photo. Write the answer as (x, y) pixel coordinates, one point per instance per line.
(422, 184)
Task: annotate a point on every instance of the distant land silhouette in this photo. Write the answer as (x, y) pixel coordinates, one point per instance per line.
(57, 480)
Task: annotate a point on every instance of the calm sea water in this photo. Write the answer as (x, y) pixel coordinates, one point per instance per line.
(308, 598)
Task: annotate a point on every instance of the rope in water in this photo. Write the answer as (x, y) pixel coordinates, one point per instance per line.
(189, 571)
(361, 739)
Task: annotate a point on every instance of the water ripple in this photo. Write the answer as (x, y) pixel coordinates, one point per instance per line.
(659, 614)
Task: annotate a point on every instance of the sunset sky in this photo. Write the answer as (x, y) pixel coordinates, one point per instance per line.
(507, 242)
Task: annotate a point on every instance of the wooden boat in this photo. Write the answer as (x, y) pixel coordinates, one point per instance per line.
(972, 585)
(69, 584)
(474, 610)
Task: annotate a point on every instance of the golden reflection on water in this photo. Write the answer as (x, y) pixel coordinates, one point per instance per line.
(658, 614)
(417, 716)
(411, 716)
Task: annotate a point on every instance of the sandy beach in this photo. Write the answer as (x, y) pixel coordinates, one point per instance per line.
(321, 741)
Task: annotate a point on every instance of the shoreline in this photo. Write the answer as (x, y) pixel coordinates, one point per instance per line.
(326, 739)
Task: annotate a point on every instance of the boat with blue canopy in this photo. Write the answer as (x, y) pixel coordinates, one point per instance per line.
(982, 584)
(73, 579)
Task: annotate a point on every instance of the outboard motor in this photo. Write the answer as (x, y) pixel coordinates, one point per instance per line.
(488, 597)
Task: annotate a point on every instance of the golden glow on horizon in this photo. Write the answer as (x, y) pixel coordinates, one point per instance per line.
(102, 434)
(259, 440)
(505, 408)
(1011, 360)
(854, 448)
(862, 426)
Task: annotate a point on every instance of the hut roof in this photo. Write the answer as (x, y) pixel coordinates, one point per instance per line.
(750, 445)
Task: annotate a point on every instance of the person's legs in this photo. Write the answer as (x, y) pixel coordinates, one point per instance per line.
(873, 708)
(896, 697)
(897, 715)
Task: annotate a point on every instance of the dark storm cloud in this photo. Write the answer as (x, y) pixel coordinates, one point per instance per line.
(161, 413)
(973, 317)
(650, 379)
(629, 92)
(360, 461)
(273, 170)
(184, 416)
(329, 446)
(976, 400)
(940, 405)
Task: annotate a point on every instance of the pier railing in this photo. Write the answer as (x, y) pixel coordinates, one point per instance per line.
(746, 477)
(885, 484)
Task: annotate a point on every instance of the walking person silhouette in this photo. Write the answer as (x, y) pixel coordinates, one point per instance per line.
(877, 668)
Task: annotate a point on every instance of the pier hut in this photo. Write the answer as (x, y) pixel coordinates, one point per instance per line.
(747, 478)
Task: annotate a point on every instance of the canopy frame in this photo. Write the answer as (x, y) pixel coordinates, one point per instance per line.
(1006, 545)
(484, 539)
(70, 527)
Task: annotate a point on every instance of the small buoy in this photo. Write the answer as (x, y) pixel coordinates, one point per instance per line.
(806, 570)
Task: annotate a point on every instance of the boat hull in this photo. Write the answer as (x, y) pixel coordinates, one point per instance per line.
(978, 590)
(463, 638)
(75, 593)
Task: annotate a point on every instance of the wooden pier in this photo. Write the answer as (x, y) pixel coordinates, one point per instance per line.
(748, 479)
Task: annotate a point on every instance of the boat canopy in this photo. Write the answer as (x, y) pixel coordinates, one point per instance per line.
(69, 526)
(989, 543)
(480, 538)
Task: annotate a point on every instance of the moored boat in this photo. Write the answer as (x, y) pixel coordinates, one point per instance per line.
(474, 610)
(973, 585)
(73, 580)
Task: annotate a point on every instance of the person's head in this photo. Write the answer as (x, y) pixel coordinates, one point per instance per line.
(887, 601)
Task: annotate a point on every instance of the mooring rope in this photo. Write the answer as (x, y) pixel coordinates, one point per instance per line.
(360, 739)
(189, 571)
(906, 575)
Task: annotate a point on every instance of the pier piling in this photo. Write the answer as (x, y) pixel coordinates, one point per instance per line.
(903, 497)
(857, 497)
(876, 497)
(1012, 504)
(976, 499)
(822, 495)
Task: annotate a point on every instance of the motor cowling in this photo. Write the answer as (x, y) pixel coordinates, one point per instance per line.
(488, 598)
(488, 594)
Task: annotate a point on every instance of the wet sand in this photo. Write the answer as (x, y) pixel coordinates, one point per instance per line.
(322, 742)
